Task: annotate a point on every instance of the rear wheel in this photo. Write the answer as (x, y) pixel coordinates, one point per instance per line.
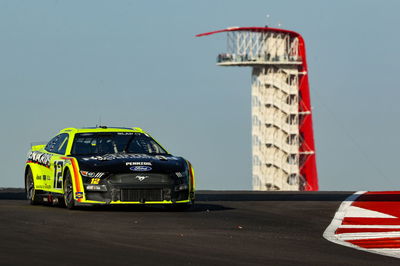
(31, 193)
(68, 191)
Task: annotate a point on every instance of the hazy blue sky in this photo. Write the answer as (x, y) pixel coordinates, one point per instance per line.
(137, 63)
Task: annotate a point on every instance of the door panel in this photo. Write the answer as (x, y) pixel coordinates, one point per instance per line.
(56, 173)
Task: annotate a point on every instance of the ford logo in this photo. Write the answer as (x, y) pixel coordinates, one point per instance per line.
(141, 168)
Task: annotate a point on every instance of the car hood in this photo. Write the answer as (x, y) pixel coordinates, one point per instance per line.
(130, 163)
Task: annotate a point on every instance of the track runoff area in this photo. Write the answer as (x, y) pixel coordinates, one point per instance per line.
(225, 228)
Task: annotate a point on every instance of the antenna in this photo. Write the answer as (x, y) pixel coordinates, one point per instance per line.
(267, 20)
(99, 121)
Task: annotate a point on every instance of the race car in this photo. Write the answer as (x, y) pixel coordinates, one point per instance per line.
(101, 165)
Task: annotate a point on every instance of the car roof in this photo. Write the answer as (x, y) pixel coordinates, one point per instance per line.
(101, 129)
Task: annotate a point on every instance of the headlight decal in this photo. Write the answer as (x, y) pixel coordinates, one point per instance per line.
(92, 174)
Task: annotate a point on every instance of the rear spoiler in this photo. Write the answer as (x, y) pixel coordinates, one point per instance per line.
(35, 146)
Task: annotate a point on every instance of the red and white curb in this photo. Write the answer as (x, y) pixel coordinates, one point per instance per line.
(368, 221)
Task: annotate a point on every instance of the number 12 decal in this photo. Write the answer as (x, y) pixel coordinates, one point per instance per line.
(58, 174)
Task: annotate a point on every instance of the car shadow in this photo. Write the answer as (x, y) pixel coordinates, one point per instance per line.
(205, 196)
(198, 207)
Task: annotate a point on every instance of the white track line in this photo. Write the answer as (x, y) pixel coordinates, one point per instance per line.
(364, 213)
(368, 226)
(368, 235)
(391, 252)
(329, 233)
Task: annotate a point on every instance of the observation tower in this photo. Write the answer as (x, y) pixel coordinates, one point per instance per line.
(282, 134)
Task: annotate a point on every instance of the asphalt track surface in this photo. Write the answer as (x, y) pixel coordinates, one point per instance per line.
(225, 228)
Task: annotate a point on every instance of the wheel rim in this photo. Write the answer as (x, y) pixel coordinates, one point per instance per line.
(68, 192)
(29, 186)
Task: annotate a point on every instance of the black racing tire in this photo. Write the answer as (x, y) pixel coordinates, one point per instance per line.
(68, 196)
(31, 192)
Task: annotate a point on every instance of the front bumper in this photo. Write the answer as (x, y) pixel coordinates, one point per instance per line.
(137, 188)
(165, 202)
(134, 194)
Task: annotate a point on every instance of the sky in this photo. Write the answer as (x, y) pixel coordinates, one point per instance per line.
(137, 63)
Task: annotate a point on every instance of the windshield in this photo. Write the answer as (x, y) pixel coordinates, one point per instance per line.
(115, 142)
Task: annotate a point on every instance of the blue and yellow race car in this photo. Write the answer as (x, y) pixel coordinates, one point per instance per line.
(104, 165)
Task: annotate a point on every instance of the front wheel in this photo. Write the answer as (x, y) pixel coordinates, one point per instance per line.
(68, 191)
(31, 193)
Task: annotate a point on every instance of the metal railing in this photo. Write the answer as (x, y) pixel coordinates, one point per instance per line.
(225, 58)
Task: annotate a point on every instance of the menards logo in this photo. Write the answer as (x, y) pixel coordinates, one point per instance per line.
(40, 158)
